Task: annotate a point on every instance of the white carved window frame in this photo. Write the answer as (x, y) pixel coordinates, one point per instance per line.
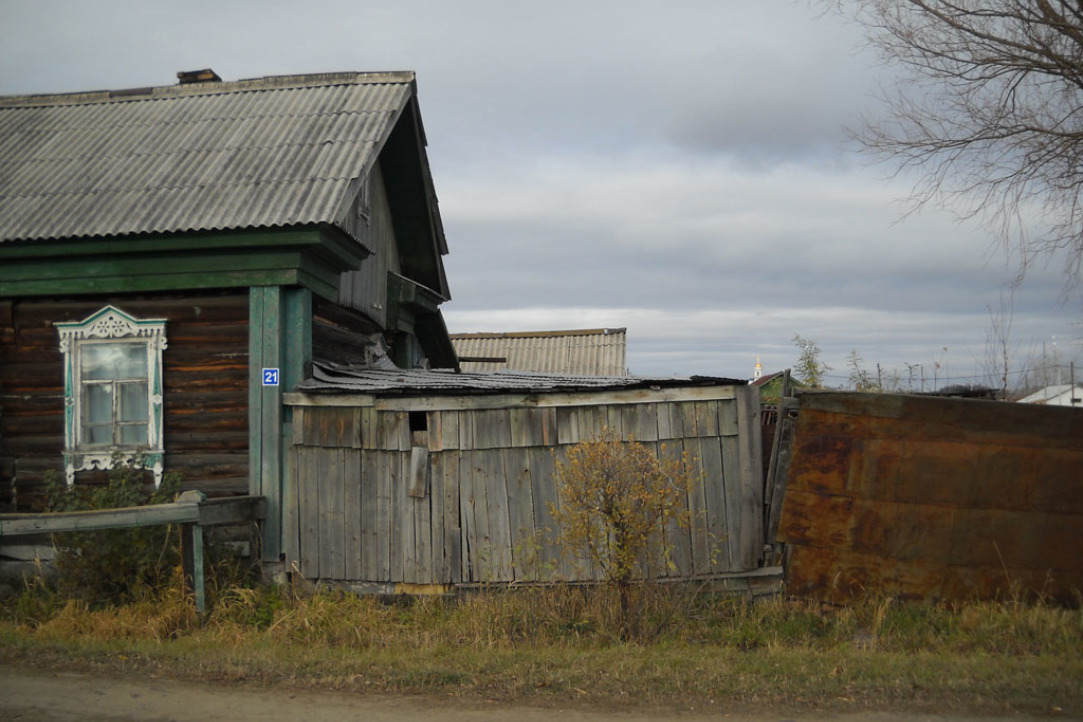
(109, 324)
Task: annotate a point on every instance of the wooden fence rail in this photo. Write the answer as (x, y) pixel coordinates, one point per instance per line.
(192, 510)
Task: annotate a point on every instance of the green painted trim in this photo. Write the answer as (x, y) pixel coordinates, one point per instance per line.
(314, 259)
(297, 328)
(146, 283)
(298, 333)
(265, 350)
(257, 240)
(69, 269)
(255, 364)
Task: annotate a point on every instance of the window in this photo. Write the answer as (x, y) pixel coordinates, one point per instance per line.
(112, 391)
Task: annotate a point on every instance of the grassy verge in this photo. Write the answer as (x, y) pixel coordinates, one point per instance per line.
(542, 646)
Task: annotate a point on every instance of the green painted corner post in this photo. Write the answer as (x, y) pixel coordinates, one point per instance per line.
(279, 351)
(298, 327)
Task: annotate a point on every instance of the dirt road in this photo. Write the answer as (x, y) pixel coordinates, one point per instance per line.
(39, 696)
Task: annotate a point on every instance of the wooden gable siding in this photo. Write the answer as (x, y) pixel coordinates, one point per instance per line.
(467, 500)
(365, 289)
(205, 375)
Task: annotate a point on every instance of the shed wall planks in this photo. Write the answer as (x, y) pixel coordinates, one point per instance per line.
(480, 510)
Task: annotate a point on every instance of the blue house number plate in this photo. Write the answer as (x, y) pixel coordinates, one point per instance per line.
(270, 377)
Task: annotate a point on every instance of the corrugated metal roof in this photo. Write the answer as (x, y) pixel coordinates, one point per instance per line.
(267, 152)
(337, 378)
(598, 351)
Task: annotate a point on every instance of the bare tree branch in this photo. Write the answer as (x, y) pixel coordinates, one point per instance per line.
(989, 111)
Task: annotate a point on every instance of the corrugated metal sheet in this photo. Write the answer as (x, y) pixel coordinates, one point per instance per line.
(337, 378)
(586, 352)
(259, 153)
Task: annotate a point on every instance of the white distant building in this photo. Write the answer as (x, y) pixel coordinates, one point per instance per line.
(1057, 395)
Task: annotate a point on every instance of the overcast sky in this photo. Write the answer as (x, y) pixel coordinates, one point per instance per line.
(678, 168)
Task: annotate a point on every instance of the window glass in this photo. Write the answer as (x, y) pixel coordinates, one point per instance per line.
(133, 401)
(114, 361)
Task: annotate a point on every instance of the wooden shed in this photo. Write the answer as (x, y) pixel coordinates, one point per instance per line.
(403, 479)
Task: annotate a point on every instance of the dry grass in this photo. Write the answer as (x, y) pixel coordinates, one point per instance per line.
(554, 644)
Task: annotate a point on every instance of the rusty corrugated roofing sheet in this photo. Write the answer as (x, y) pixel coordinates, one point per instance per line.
(599, 351)
(337, 378)
(259, 153)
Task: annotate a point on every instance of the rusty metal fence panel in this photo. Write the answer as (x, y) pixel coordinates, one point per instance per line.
(933, 499)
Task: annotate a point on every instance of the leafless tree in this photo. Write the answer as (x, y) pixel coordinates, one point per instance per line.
(989, 110)
(998, 346)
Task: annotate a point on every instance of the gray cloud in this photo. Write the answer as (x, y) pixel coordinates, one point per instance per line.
(675, 168)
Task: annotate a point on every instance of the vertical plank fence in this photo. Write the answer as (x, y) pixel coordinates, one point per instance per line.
(455, 492)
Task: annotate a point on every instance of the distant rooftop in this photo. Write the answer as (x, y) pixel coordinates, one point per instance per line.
(586, 352)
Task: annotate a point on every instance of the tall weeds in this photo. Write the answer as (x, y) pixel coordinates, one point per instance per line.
(564, 641)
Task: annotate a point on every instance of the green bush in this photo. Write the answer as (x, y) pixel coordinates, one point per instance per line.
(118, 565)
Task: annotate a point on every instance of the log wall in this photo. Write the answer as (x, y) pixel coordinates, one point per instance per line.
(205, 375)
(386, 494)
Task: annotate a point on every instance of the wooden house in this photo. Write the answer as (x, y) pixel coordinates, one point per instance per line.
(172, 259)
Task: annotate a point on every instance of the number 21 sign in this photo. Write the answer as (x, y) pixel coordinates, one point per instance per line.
(270, 377)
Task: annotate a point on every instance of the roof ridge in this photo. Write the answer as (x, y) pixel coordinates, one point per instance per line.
(179, 90)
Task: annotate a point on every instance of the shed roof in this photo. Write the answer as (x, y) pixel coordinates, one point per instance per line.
(208, 156)
(344, 379)
(595, 351)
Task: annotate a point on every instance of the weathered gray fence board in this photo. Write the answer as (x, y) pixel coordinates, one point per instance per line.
(496, 501)
(466, 432)
(714, 484)
(707, 418)
(467, 504)
(677, 536)
(370, 522)
(522, 428)
(492, 429)
(411, 543)
(750, 524)
(521, 515)
(544, 497)
(567, 425)
(384, 484)
(697, 504)
(308, 501)
(331, 532)
(353, 504)
(614, 419)
(688, 419)
(734, 503)
(727, 418)
(453, 546)
(369, 435)
(399, 518)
